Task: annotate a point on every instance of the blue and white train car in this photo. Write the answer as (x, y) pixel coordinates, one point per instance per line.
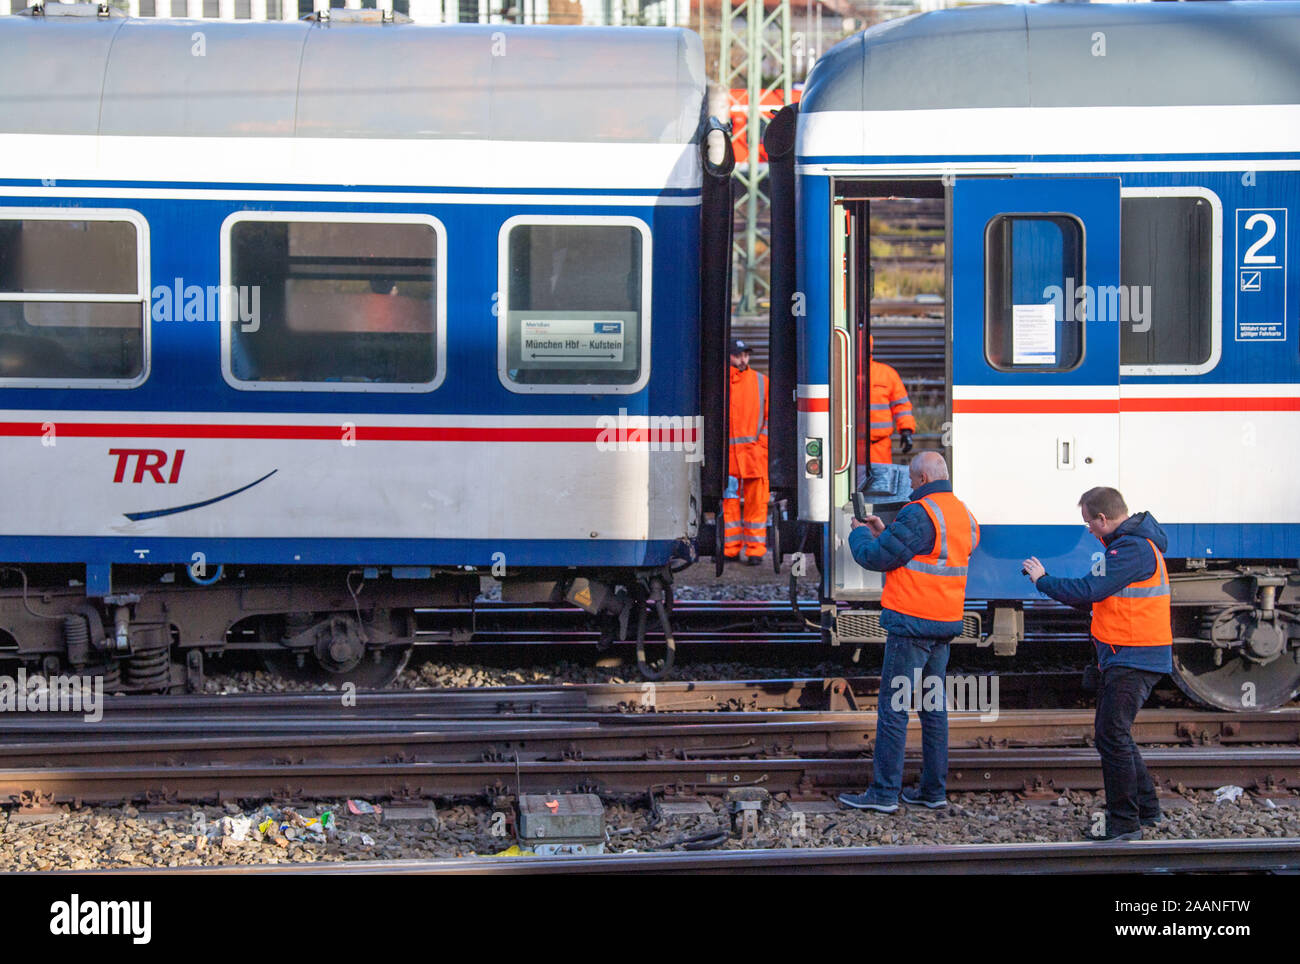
(1120, 187)
(303, 325)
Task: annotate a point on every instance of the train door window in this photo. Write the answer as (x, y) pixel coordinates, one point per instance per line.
(1034, 266)
(74, 297)
(332, 302)
(576, 316)
(1168, 300)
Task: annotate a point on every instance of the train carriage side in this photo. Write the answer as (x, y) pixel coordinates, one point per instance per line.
(317, 324)
(1121, 301)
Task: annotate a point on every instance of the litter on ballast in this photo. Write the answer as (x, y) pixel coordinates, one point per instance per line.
(1228, 794)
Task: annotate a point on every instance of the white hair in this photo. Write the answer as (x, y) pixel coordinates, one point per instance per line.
(931, 465)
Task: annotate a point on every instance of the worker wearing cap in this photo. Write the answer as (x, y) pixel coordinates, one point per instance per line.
(744, 504)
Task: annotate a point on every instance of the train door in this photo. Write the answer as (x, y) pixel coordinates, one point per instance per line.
(850, 330)
(1035, 367)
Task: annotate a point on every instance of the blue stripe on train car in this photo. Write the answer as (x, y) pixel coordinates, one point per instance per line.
(186, 374)
(813, 278)
(1068, 550)
(521, 553)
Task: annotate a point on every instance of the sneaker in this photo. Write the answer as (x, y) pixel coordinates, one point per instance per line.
(913, 797)
(1127, 835)
(1151, 821)
(865, 801)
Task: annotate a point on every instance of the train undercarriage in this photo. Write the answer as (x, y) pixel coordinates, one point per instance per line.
(1236, 628)
(153, 632)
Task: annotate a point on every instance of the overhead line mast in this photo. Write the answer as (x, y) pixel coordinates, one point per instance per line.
(746, 26)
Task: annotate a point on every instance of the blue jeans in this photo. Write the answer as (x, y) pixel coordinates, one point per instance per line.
(904, 656)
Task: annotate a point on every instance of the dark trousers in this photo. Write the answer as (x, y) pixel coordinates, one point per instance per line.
(1130, 794)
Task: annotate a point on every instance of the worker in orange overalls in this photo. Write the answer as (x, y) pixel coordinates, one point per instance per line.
(890, 409)
(747, 463)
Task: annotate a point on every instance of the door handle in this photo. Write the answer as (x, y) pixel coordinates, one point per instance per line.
(843, 388)
(1065, 454)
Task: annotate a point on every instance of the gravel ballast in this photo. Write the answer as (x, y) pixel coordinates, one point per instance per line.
(105, 838)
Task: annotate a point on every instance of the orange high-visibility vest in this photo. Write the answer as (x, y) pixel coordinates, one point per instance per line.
(933, 586)
(748, 425)
(1139, 614)
(890, 409)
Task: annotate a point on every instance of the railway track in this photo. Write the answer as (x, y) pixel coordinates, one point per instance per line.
(164, 713)
(279, 753)
(1276, 855)
(203, 740)
(1044, 772)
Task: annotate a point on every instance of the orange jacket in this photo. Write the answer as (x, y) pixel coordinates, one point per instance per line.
(933, 586)
(890, 409)
(1139, 614)
(748, 425)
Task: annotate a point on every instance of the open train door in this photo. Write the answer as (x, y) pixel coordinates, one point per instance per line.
(1035, 367)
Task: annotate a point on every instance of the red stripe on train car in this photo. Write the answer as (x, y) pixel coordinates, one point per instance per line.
(813, 404)
(1244, 404)
(372, 433)
(1056, 406)
(1040, 406)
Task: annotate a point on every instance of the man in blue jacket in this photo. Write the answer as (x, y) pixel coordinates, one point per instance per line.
(1129, 596)
(925, 551)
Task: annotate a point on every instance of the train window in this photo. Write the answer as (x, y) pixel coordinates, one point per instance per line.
(1168, 274)
(577, 304)
(73, 298)
(1031, 263)
(332, 302)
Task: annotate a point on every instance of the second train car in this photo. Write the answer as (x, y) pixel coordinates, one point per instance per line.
(1117, 183)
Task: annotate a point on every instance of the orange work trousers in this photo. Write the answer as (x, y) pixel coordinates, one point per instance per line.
(750, 528)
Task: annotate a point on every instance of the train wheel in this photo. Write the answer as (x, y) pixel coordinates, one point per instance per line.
(376, 669)
(1234, 682)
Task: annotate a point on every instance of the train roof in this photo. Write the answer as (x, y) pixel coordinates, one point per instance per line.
(1049, 55)
(121, 76)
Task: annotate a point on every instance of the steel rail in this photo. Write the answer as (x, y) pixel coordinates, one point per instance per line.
(969, 770)
(809, 693)
(1275, 855)
(205, 741)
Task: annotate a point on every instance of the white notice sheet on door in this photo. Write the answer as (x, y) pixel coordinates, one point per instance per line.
(1033, 334)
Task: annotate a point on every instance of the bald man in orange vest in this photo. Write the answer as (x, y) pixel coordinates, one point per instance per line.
(747, 462)
(924, 554)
